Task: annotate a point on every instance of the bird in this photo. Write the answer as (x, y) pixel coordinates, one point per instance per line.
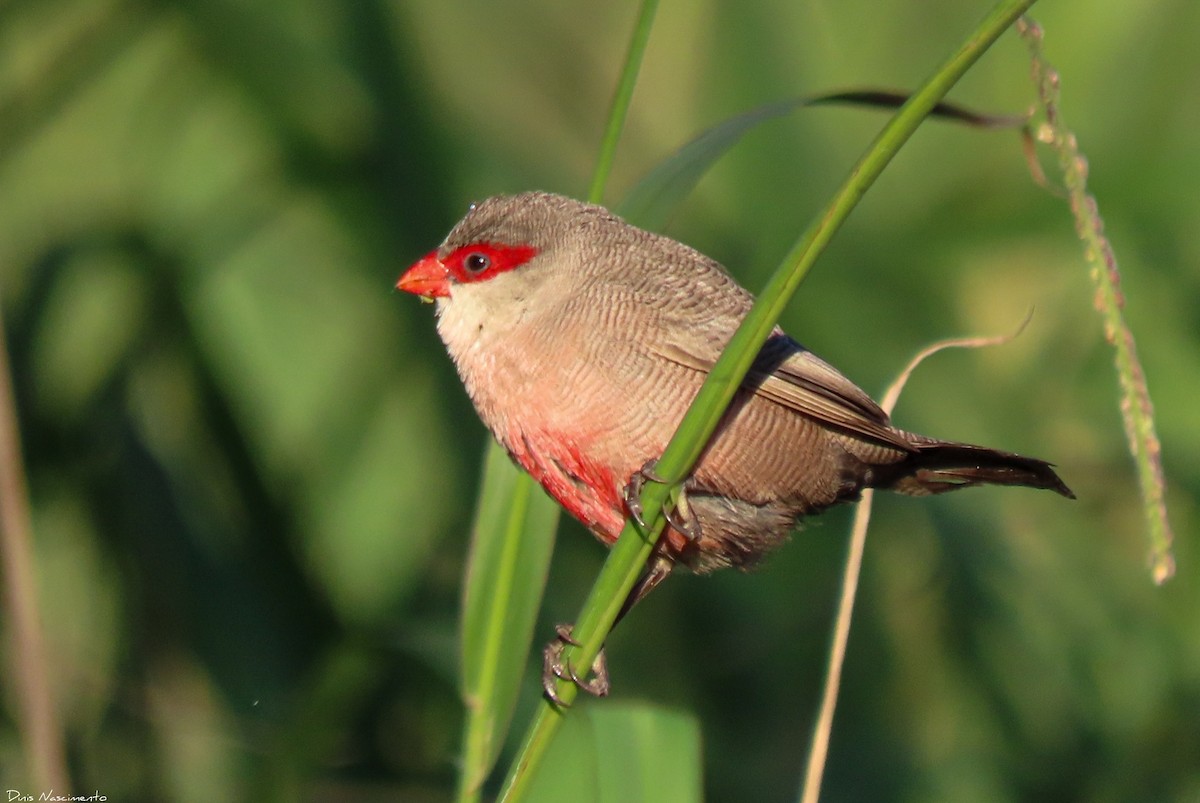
(581, 341)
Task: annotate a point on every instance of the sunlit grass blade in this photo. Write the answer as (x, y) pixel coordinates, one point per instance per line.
(660, 192)
(511, 545)
(1137, 411)
(634, 546)
(620, 752)
(622, 98)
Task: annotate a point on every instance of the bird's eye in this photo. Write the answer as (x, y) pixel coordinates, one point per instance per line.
(477, 262)
(483, 261)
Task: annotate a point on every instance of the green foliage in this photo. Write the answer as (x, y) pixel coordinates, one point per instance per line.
(510, 555)
(252, 468)
(619, 752)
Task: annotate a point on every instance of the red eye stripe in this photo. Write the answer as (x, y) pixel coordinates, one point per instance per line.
(480, 261)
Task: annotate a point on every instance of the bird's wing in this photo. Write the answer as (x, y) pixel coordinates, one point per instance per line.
(691, 306)
(789, 375)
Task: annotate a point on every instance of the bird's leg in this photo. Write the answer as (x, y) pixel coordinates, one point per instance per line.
(658, 568)
(679, 516)
(555, 666)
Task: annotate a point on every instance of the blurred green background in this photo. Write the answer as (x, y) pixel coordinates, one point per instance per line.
(252, 468)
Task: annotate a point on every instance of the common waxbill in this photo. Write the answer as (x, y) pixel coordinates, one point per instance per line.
(582, 340)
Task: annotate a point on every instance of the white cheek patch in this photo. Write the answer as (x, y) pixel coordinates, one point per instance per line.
(460, 322)
(471, 322)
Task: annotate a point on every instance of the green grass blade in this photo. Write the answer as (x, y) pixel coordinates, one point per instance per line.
(620, 752)
(514, 535)
(660, 192)
(1137, 411)
(621, 100)
(634, 546)
(651, 201)
(511, 545)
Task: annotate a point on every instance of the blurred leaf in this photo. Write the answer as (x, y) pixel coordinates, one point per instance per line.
(619, 752)
(650, 203)
(511, 546)
(653, 199)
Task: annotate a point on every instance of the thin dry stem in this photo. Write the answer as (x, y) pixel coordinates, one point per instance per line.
(30, 670)
(858, 539)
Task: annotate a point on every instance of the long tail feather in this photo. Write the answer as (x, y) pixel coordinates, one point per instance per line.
(940, 466)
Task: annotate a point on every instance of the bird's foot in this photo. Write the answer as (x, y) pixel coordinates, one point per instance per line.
(633, 489)
(555, 667)
(679, 516)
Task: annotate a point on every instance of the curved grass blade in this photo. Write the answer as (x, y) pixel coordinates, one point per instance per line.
(634, 546)
(511, 545)
(1137, 411)
(652, 200)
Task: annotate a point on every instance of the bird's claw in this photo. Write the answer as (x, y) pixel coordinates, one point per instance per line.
(633, 489)
(678, 516)
(555, 667)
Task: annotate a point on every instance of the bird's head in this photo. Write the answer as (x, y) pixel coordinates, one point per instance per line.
(501, 236)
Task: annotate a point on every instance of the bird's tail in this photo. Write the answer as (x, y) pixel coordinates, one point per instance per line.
(939, 466)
